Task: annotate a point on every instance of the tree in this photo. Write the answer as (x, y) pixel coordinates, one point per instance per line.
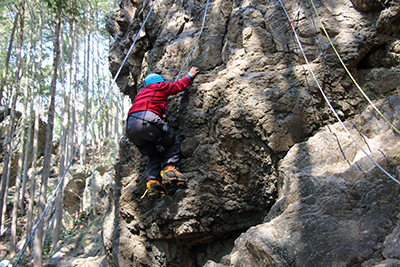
(63, 9)
(49, 141)
(13, 238)
(75, 83)
(86, 105)
(4, 76)
(36, 130)
(63, 138)
(91, 82)
(10, 132)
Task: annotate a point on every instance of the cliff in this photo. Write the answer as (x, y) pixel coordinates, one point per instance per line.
(274, 180)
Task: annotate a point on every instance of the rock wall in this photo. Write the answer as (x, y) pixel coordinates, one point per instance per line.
(335, 208)
(252, 105)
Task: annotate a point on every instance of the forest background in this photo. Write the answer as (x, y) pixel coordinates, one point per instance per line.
(54, 69)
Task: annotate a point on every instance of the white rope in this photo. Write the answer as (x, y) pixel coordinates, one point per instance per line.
(201, 31)
(327, 100)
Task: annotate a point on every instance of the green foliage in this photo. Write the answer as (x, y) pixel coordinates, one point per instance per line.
(69, 10)
(48, 241)
(7, 14)
(10, 199)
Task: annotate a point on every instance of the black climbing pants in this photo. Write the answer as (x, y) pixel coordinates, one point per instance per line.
(147, 131)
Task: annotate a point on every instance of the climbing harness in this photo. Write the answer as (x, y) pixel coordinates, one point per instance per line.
(349, 73)
(327, 100)
(83, 138)
(162, 129)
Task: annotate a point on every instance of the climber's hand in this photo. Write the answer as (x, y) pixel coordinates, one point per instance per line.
(193, 72)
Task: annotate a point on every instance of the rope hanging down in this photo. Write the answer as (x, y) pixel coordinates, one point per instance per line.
(327, 100)
(348, 72)
(201, 31)
(83, 138)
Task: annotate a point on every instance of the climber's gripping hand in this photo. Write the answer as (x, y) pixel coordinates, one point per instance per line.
(193, 72)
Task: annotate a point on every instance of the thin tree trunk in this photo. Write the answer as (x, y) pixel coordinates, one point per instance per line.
(29, 139)
(4, 207)
(13, 237)
(93, 182)
(35, 133)
(74, 74)
(63, 142)
(34, 168)
(104, 119)
(8, 151)
(26, 158)
(86, 107)
(37, 253)
(4, 76)
(59, 196)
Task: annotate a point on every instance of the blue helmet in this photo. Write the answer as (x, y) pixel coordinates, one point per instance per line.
(152, 78)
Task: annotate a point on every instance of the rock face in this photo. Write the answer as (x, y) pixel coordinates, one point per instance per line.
(335, 208)
(82, 187)
(254, 136)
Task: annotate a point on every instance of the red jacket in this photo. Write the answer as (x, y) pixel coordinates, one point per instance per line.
(154, 97)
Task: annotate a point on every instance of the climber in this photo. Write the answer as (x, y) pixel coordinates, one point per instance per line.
(146, 129)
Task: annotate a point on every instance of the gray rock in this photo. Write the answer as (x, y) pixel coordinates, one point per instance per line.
(391, 246)
(331, 212)
(74, 188)
(256, 147)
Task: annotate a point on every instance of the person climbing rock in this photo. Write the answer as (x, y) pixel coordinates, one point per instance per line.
(146, 129)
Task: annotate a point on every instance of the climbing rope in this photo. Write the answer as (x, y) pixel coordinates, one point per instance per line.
(349, 73)
(327, 100)
(84, 137)
(201, 31)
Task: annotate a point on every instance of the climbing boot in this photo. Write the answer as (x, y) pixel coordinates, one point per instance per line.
(172, 178)
(156, 188)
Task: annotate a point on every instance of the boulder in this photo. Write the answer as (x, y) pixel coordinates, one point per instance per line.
(96, 186)
(74, 186)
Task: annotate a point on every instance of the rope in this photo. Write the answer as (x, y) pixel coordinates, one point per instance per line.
(327, 100)
(201, 31)
(144, 194)
(348, 72)
(84, 137)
